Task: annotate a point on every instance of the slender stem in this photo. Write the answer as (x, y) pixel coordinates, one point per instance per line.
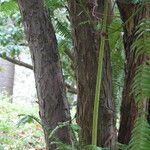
(17, 62)
(99, 76)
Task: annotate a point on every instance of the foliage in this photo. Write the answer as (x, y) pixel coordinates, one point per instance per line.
(140, 139)
(141, 48)
(28, 119)
(141, 132)
(142, 45)
(141, 84)
(29, 132)
(141, 88)
(54, 5)
(4, 96)
(117, 60)
(24, 137)
(11, 33)
(8, 6)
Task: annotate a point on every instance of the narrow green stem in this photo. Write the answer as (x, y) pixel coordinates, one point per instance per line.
(99, 77)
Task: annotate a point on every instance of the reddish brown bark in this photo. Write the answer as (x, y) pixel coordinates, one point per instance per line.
(128, 108)
(50, 87)
(84, 16)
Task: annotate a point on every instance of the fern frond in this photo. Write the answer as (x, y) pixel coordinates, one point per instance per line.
(55, 4)
(28, 119)
(141, 84)
(140, 139)
(117, 60)
(62, 28)
(141, 44)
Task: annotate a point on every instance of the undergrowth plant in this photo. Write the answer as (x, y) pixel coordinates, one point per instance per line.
(74, 128)
(12, 137)
(140, 139)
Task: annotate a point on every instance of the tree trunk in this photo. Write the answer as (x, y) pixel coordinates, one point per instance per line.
(84, 16)
(128, 108)
(6, 77)
(50, 87)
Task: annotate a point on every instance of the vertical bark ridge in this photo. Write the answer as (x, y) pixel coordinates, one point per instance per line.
(84, 17)
(128, 108)
(50, 87)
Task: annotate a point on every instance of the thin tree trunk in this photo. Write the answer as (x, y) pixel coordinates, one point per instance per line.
(6, 77)
(128, 108)
(84, 15)
(50, 87)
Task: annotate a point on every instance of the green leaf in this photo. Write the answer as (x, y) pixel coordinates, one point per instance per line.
(62, 28)
(28, 119)
(92, 147)
(4, 55)
(8, 6)
(75, 127)
(140, 139)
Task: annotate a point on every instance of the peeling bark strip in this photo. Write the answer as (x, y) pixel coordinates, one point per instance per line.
(128, 107)
(83, 15)
(50, 87)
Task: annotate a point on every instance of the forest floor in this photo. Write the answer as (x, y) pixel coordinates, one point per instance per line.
(28, 135)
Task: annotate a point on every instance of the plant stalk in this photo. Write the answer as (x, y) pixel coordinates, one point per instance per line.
(99, 76)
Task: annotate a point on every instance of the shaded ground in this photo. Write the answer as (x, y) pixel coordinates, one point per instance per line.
(26, 136)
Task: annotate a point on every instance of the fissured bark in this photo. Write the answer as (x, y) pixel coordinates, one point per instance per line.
(131, 14)
(50, 87)
(85, 16)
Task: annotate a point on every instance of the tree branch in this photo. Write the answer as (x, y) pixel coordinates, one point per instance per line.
(23, 64)
(17, 62)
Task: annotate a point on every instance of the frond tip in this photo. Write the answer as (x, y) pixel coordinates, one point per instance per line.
(140, 139)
